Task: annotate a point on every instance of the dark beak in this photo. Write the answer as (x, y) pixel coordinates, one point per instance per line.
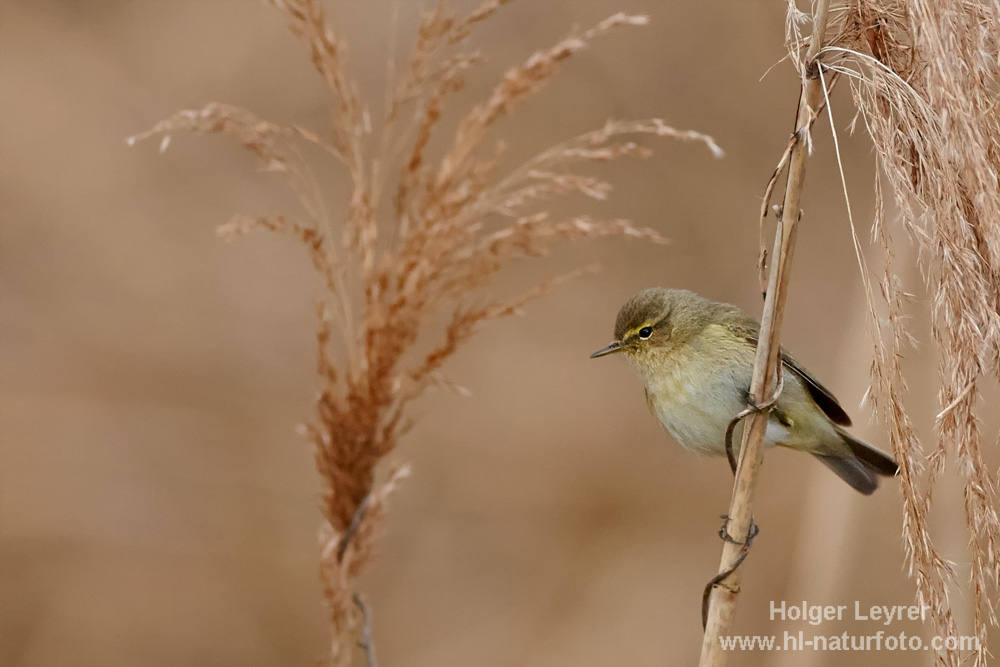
(610, 349)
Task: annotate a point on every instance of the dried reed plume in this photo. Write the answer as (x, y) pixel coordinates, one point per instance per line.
(924, 76)
(388, 267)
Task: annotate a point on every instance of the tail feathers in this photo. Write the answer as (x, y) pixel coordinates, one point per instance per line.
(852, 471)
(874, 458)
(861, 470)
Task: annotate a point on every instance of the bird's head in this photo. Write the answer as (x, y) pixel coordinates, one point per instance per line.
(655, 320)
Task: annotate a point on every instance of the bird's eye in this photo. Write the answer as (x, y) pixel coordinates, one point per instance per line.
(645, 332)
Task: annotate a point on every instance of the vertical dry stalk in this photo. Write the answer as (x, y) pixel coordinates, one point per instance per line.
(389, 270)
(765, 383)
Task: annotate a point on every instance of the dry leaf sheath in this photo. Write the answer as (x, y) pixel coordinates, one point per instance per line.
(389, 265)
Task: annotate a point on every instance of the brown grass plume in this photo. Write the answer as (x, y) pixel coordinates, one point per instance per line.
(416, 238)
(924, 76)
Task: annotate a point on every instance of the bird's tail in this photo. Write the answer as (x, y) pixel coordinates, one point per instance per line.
(862, 469)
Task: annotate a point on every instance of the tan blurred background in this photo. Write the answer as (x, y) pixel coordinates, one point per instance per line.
(157, 507)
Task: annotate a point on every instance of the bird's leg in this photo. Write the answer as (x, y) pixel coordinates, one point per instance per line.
(730, 454)
(760, 407)
(754, 529)
(746, 412)
(749, 410)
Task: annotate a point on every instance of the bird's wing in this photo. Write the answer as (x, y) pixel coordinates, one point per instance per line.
(824, 397)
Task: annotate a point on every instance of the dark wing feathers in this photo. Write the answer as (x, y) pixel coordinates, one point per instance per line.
(824, 397)
(740, 323)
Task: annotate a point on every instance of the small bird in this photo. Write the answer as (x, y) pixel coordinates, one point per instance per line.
(696, 360)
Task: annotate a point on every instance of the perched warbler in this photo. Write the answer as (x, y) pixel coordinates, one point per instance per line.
(696, 359)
